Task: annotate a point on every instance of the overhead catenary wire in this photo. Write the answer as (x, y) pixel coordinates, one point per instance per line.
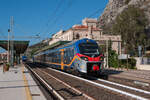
(92, 14)
(57, 18)
(52, 24)
(61, 14)
(52, 15)
(20, 28)
(56, 10)
(35, 37)
(2, 35)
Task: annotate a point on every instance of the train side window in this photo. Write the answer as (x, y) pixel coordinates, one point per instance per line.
(67, 52)
(50, 57)
(72, 52)
(59, 57)
(47, 57)
(68, 55)
(58, 61)
(54, 57)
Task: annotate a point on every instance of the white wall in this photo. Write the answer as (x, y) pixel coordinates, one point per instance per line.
(141, 66)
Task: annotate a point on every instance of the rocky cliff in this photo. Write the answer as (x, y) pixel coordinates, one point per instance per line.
(115, 7)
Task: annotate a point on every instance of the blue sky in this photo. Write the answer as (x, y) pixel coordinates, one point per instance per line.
(45, 17)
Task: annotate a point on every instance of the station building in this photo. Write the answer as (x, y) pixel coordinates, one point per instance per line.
(88, 29)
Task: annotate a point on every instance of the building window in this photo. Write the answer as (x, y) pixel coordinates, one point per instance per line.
(77, 36)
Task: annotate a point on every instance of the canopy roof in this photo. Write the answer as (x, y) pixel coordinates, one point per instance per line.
(19, 46)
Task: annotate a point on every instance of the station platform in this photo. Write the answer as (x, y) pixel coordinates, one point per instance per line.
(17, 84)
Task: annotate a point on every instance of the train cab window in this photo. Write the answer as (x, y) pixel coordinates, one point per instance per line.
(89, 49)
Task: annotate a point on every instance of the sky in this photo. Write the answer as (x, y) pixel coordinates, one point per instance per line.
(43, 18)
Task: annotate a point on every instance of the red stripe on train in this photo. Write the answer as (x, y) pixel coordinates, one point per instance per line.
(90, 58)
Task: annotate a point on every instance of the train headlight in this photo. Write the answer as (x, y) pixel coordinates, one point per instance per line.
(84, 58)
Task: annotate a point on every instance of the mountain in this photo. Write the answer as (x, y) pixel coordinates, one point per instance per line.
(115, 7)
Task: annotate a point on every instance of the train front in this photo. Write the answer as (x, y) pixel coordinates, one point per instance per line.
(91, 60)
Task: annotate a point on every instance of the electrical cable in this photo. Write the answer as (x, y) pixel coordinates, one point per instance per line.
(53, 15)
(62, 14)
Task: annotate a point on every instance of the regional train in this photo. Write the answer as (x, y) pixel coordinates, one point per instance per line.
(24, 58)
(82, 56)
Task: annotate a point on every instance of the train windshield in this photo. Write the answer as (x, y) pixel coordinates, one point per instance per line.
(89, 49)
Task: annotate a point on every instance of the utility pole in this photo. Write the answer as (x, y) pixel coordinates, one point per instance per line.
(11, 42)
(107, 66)
(8, 45)
(126, 50)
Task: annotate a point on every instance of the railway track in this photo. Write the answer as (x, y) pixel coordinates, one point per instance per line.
(61, 90)
(138, 79)
(90, 88)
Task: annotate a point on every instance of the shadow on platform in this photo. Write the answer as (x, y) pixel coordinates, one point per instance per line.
(14, 81)
(18, 86)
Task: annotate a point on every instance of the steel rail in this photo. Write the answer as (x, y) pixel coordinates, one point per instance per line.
(79, 92)
(121, 85)
(48, 86)
(103, 86)
(124, 86)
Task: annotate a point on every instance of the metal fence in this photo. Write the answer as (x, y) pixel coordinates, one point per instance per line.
(145, 61)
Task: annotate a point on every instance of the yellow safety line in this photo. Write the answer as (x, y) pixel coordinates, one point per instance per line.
(28, 93)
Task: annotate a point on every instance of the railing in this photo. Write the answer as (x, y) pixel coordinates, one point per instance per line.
(145, 61)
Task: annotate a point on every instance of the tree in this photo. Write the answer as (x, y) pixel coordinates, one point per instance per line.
(127, 1)
(112, 57)
(131, 25)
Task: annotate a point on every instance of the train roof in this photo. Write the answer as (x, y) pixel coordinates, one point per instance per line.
(76, 42)
(85, 40)
(62, 44)
(53, 46)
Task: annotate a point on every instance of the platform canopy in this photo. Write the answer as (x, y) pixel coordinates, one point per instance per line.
(19, 46)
